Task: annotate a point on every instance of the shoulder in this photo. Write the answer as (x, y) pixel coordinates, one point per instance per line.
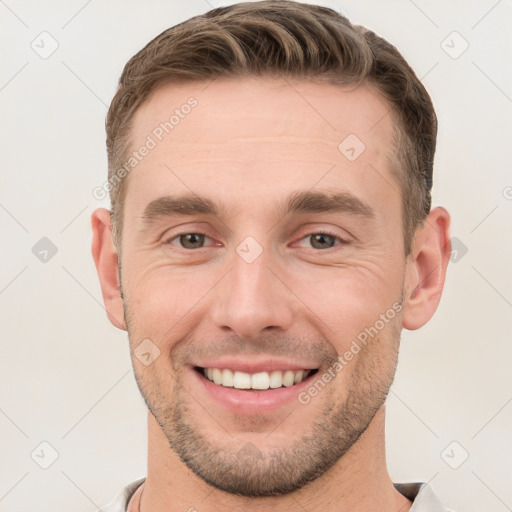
(120, 502)
(422, 497)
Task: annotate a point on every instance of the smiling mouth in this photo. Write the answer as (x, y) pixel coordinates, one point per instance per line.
(256, 381)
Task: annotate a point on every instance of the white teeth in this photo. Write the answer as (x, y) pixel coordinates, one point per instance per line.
(227, 378)
(217, 376)
(260, 380)
(276, 379)
(288, 378)
(241, 380)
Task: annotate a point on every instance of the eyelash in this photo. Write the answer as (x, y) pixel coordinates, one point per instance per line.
(341, 241)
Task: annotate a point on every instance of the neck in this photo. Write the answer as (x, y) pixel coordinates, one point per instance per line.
(358, 482)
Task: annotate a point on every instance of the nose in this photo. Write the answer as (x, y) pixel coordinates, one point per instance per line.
(252, 298)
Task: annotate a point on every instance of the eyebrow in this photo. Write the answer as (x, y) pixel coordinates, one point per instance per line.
(297, 202)
(321, 202)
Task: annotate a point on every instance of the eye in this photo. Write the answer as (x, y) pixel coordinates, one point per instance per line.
(324, 240)
(189, 240)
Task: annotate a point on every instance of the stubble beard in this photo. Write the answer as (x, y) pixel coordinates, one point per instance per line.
(245, 469)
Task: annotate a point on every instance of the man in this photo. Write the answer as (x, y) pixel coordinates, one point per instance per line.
(271, 233)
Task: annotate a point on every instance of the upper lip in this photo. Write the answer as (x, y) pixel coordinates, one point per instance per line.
(255, 365)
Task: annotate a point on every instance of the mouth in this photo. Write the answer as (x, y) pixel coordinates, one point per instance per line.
(257, 386)
(260, 381)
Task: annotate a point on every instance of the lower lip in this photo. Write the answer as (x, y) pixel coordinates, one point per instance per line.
(253, 401)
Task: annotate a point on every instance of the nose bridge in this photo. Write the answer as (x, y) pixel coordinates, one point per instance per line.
(251, 298)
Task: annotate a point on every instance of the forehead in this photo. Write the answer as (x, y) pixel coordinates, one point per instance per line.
(302, 108)
(259, 135)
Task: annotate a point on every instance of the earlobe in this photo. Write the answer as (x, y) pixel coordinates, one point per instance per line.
(426, 269)
(106, 261)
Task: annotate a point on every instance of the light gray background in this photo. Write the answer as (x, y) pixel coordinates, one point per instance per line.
(66, 373)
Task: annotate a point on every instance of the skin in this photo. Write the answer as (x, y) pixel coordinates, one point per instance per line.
(247, 145)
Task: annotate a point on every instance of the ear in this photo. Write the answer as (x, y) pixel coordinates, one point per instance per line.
(105, 259)
(426, 269)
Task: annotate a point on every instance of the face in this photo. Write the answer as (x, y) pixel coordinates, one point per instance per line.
(256, 252)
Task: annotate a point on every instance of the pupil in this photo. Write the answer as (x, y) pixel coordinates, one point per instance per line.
(322, 239)
(192, 240)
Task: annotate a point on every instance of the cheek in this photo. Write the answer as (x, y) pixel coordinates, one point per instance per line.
(350, 297)
(163, 299)
(367, 362)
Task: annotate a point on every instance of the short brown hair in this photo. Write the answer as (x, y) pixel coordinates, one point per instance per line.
(287, 39)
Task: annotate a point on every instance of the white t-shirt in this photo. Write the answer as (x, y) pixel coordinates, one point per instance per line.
(421, 494)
